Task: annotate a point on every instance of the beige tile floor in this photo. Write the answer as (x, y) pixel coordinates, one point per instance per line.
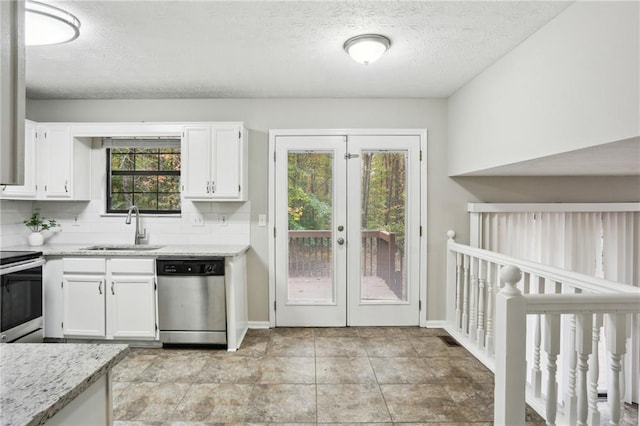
(302, 375)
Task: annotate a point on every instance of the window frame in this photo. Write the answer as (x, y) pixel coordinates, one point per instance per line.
(133, 173)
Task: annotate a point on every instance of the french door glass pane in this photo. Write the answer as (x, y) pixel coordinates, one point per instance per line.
(383, 220)
(310, 210)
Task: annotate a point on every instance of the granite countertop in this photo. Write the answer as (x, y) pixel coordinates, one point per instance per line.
(164, 250)
(39, 379)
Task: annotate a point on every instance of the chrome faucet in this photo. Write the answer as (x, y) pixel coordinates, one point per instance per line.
(139, 235)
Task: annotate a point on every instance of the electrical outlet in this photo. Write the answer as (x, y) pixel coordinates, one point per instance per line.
(75, 222)
(262, 220)
(224, 220)
(197, 220)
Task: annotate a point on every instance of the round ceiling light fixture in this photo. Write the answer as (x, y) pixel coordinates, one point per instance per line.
(46, 24)
(367, 48)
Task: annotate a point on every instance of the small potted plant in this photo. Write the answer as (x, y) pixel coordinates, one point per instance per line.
(37, 224)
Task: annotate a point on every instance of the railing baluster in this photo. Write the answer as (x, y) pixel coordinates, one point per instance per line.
(594, 372)
(571, 398)
(459, 284)
(482, 280)
(616, 335)
(465, 294)
(491, 279)
(584, 332)
(552, 348)
(473, 327)
(536, 372)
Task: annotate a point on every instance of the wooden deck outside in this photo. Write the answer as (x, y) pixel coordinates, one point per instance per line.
(320, 288)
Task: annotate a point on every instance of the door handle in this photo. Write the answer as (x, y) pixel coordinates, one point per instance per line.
(340, 241)
(112, 290)
(341, 228)
(100, 287)
(207, 187)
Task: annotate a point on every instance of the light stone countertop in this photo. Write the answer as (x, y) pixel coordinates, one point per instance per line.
(165, 250)
(39, 379)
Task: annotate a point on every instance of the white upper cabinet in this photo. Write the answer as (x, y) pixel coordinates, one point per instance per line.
(57, 165)
(215, 164)
(29, 189)
(64, 164)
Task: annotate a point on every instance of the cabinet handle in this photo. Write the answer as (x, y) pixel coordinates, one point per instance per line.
(100, 287)
(207, 187)
(112, 290)
(213, 187)
(66, 189)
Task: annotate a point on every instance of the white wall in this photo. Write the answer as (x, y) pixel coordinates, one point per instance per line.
(447, 198)
(573, 84)
(260, 115)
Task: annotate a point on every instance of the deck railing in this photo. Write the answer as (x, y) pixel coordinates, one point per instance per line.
(310, 256)
(556, 313)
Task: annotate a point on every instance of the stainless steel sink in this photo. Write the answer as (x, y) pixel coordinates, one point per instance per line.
(130, 247)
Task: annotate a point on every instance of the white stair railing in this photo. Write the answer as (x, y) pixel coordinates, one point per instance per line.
(559, 313)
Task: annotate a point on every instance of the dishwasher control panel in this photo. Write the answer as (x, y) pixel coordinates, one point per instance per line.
(190, 266)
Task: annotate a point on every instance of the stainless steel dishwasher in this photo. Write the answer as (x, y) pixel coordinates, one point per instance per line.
(191, 300)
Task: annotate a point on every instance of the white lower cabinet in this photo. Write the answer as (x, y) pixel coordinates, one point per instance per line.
(109, 298)
(134, 307)
(84, 305)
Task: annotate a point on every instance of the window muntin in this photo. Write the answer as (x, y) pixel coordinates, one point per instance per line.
(148, 177)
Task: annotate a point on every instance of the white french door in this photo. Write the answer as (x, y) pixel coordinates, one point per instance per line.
(347, 230)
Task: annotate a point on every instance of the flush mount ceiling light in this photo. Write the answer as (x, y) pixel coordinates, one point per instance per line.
(46, 24)
(367, 48)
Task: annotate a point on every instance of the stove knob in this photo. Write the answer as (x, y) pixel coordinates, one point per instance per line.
(3, 338)
(208, 268)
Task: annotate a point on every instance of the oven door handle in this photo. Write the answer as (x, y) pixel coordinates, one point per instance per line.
(22, 266)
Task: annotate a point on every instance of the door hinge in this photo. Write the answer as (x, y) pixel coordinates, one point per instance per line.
(421, 230)
(239, 190)
(274, 305)
(61, 284)
(350, 156)
(419, 305)
(420, 155)
(156, 326)
(45, 135)
(274, 232)
(155, 285)
(274, 156)
(62, 325)
(239, 135)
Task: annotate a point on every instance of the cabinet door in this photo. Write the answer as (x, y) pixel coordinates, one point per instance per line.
(226, 162)
(84, 305)
(28, 189)
(196, 166)
(57, 146)
(133, 307)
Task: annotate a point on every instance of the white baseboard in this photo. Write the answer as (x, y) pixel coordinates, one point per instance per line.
(435, 324)
(258, 324)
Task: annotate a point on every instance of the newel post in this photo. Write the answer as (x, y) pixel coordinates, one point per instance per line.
(510, 357)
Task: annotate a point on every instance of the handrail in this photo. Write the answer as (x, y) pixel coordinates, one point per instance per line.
(574, 279)
(582, 303)
(551, 207)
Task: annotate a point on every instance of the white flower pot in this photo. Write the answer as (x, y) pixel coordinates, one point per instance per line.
(36, 239)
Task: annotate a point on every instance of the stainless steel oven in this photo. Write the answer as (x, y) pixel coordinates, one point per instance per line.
(21, 296)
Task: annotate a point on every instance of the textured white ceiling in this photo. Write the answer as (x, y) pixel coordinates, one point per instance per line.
(204, 49)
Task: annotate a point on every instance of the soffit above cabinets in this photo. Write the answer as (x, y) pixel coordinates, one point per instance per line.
(236, 49)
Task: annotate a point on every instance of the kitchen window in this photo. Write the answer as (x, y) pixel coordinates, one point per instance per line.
(144, 173)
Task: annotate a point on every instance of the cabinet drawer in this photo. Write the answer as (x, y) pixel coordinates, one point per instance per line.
(132, 266)
(84, 265)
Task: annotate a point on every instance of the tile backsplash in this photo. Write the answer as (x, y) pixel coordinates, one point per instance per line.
(85, 223)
